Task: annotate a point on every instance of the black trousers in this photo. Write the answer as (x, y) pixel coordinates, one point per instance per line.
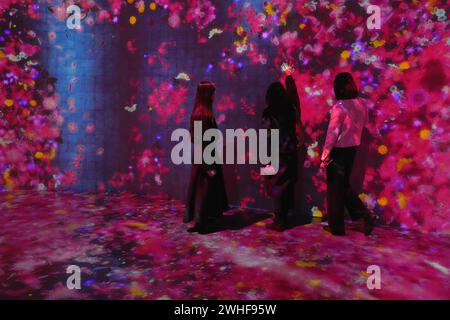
(339, 192)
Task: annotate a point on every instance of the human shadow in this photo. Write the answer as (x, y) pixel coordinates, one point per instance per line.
(236, 219)
(297, 220)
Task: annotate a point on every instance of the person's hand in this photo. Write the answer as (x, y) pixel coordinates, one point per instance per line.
(324, 165)
(268, 170)
(287, 69)
(211, 173)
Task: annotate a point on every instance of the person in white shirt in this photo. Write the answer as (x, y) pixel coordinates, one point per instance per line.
(349, 116)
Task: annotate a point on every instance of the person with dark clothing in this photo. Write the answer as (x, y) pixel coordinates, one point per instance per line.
(207, 197)
(281, 113)
(298, 214)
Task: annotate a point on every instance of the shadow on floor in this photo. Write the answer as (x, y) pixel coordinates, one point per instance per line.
(300, 220)
(241, 219)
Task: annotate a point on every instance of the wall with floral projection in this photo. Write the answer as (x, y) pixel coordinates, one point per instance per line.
(92, 109)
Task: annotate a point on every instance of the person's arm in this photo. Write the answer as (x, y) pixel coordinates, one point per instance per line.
(292, 92)
(291, 89)
(334, 128)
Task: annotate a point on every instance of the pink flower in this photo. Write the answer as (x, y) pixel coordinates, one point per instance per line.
(202, 12)
(174, 20)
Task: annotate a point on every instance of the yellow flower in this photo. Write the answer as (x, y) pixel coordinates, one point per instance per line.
(8, 181)
(314, 282)
(141, 9)
(317, 214)
(138, 225)
(9, 102)
(383, 201)
(239, 30)
(404, 65)
(382, 149)
(33, 103)
(283, 16)
(425, 134)
(345, 54)
(269, 9)
(152, 6)
(401, 163)
(136, 291)
(132, 20)
(52, 154)
(363, 196)
(378, 43)
(402, 200)
(39, 155)
(305, 264)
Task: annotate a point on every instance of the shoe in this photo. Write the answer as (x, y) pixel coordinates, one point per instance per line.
(328, 229)
(369, 222)
(192, 229)
(277, 225)
(198, 228)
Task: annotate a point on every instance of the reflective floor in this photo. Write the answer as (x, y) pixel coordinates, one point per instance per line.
(131, 247)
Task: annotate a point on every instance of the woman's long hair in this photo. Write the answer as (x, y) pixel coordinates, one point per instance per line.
(345, 87)
(203, 102)
(277, 100)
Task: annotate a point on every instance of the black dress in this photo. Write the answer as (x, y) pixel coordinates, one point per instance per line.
(281, 186)
(206, 198)
(287, 186)
(299, 214)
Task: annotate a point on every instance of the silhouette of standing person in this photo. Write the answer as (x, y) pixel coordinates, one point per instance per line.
(206, 198)
(298, 215)
(280, 114)
(349, 116)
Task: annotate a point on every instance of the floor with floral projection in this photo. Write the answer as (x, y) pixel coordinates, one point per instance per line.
(131, 247)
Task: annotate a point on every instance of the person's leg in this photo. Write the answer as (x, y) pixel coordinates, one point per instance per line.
(189, 214)
(300, 215)
(202, 207)
(335, 196)
(282, 203)
(353, 203)
(282, 194)
(288, 201)
(280, 220)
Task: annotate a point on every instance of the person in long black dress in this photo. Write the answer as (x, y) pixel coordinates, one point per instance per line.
(206, 198)
(298, 214)
(281, 114)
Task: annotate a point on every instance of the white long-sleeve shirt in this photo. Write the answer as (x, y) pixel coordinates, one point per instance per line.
(348, 119)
